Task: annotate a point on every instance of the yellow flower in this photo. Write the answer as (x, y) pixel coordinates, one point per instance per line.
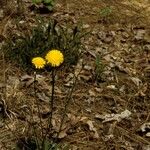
(55, 58)
(38, 62)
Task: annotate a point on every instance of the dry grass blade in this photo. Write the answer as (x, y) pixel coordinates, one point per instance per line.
(134, 137)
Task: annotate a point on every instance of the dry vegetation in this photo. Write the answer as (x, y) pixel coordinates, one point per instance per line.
(111, 100)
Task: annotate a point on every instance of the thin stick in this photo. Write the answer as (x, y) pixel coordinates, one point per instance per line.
(68, 99)
(133, 136)
(52, 100)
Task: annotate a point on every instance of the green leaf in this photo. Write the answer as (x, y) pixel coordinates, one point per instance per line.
(46, 145)
(105, 11)
(48, 1)
(50, 8)
(36, 1)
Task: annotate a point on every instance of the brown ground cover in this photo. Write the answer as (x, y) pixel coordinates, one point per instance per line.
(111, 101)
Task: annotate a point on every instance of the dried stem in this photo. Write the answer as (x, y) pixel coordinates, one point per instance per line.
(68, 100)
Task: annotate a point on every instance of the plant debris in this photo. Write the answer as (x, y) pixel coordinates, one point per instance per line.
(114, 117)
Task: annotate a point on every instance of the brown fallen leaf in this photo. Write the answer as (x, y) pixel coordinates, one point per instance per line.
(92, 128)
(87, 121)
(114, 117)
(140, 34)
(78, 67)
(145, 128)
(72, 121)
(136, 81)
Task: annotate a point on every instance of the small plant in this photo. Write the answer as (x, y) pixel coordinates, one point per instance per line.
(53, 58)
(21, 49)
(99, 68)
(105, 14)
(30, 144)
(105, 11)
(48, 45)
(49, 4)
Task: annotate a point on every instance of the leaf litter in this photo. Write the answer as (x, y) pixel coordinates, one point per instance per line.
(124, 49)
(74, 122)
(114, 117)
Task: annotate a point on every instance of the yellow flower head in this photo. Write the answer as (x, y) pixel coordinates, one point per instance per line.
(38, 62)
(55, 58)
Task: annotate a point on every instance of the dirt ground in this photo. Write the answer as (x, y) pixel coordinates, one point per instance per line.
(110, 107)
